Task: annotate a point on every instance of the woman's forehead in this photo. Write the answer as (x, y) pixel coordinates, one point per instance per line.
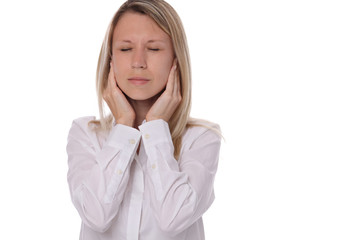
(135, 25)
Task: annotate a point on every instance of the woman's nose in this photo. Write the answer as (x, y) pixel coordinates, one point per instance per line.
(139, 59)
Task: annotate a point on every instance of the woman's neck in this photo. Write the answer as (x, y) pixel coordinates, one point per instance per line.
(141, 108)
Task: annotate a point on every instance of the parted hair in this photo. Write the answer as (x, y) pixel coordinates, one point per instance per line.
(169, 21)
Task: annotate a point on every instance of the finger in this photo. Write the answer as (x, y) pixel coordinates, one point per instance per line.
(108, 84)
(113, 86)
(171, 80)
(111, 78)
(176, 83)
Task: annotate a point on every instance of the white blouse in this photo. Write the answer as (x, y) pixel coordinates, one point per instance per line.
(122, 194)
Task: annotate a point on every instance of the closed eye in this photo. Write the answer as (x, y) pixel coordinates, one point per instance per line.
(154, 49)
(125, 49)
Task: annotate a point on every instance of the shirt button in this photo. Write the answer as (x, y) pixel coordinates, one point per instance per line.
(120, 172)
(153, 166)
(147, 136)
(132, 141)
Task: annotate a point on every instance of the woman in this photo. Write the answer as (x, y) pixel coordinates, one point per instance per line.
(145, 171)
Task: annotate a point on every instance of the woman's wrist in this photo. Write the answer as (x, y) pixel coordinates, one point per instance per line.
(127, 122)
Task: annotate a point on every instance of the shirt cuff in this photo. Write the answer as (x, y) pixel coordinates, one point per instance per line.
(155, 132)
(123, 135)
(121, 138)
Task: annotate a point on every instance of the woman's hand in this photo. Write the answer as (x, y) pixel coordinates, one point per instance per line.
(117, 102)
(166, 104)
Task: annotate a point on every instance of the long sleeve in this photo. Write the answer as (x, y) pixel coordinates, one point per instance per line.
(98, 176)
(181, 190)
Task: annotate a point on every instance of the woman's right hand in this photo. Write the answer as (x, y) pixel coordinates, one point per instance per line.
(117, 102)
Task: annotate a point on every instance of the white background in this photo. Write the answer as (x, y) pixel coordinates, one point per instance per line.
(280, 77)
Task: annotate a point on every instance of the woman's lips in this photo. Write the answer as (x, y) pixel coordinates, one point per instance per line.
(138, 80)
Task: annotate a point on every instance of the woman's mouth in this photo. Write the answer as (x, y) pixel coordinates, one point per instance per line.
(138, 80)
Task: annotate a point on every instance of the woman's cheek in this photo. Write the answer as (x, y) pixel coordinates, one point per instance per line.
(164, 77)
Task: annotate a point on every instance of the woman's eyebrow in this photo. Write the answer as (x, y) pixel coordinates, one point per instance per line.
(149, 41)
(157, 40)
(122, 41)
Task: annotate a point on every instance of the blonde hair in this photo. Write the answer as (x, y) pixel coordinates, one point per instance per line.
(169, 21)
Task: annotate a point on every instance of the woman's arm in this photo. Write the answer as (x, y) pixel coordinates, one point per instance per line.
(98, 177)
(181, 190)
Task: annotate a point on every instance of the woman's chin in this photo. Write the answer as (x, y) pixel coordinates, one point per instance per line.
(140, 96)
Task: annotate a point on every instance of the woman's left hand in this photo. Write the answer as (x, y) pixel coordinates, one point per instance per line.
(166, 104)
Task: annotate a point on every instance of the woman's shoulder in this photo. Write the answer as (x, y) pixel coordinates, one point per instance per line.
(86, 130)
(200, 132)
(83, 124)
(83, 121)
(202, 124)
(197, 127)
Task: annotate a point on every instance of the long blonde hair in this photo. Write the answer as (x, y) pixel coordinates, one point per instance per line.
(169, 21)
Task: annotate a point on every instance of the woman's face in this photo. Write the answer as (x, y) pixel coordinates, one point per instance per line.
(142, 56)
